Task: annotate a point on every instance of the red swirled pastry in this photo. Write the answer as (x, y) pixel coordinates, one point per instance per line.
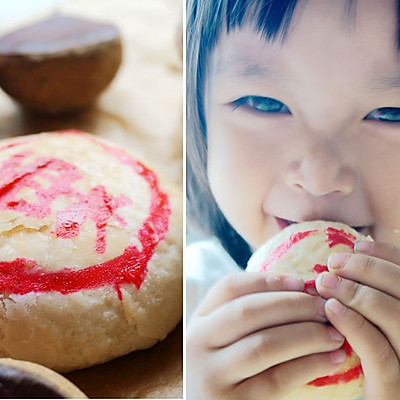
(303, 249)
(90, 251)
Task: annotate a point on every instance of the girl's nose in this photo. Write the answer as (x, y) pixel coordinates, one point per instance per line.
(321, 171)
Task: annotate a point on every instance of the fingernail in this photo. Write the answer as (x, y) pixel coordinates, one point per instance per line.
(338, 356)
(335, 334)
(330, 281)
(337, 260)
(293, 283)
(335, 306)
(320, 304)
(363, 247)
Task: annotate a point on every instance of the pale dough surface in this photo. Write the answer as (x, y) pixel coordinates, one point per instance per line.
(90, 326)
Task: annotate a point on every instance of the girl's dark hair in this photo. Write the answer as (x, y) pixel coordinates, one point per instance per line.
(205, 21)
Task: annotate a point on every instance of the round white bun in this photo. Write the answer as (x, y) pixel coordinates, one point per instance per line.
(303, 249)
(90, 251)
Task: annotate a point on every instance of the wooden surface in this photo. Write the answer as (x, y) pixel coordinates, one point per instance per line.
(141, 109)
(147, 374)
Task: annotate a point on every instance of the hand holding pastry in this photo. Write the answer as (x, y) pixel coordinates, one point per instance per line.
(266, 350)
(303, 249)
(363, 292)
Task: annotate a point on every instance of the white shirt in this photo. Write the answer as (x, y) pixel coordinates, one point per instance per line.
(206, 263)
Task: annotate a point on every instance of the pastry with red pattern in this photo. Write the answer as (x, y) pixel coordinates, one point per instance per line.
(303, 249)
(90, 251)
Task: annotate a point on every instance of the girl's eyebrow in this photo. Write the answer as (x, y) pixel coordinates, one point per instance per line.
(258, 70)
(385, 83)
(239, 69)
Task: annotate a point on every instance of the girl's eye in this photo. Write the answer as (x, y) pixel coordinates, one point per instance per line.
(261, 104)
(385, 114)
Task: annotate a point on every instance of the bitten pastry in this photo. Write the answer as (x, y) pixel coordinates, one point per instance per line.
(90, 251)
(303, 249)
(26, 380)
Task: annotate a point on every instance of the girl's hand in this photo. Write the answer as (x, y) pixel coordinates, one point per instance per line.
(364, 305)
(257, 336)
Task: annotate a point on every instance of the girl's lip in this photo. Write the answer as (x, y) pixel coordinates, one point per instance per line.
(283, 223)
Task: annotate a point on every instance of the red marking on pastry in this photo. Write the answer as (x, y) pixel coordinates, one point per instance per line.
(320, 268)
(347, 348)
(339, 236)
(22, 276)
(284, 248)
(345, 377)
(349, 375)
(96, 205)
(352, 373)
(310, 287)
(17, 143)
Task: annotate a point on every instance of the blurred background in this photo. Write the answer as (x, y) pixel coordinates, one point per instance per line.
(142, 107)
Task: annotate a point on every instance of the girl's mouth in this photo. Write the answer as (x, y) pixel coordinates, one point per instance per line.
(283, 223)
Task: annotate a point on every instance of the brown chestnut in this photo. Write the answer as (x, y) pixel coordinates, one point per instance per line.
(61, 64)
(27, 380)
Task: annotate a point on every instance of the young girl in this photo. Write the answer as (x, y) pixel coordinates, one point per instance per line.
(293, 115)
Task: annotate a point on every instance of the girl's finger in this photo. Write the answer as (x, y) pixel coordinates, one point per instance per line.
(377, 307)
(270, 347)
(288, 376)
(379, 360)
(374, 272)
(259, 311)
(241, 284)
(384, 251)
